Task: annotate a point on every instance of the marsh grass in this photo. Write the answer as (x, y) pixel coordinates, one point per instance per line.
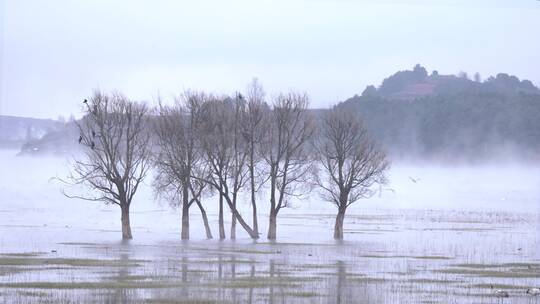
(491, 273)
(183, 301)
(427, 257)
(303, 294)
(104, 285)
(501, 286)
(19, 261)
(23, 254)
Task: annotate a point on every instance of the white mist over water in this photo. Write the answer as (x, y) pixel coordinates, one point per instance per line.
(29, 197)
(456, 229)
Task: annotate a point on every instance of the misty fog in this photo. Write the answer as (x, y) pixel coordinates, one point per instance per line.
(37, 197)
(449, 210)
(270, 152)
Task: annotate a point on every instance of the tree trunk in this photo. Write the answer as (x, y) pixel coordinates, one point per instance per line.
(273, 212)
(254, 208)
(221, 223)
(126, 226)
(338, 227)
(233, 220)
(185, 214)
(205, 220)
(252, 182)
(272, 225)
(239, 219)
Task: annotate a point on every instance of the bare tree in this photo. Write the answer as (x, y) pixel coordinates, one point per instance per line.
(179, 157)
(284, 151)
(350, 161)
(226, 156)
(239, 161)
(215, 138)
(254, 124)
(116, 155)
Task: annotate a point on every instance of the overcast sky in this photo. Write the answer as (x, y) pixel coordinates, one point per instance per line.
(54, 53)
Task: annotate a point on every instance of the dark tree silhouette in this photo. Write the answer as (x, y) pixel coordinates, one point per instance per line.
(349, 160)
(116, 159)
(290, 127)
(179, 156)
(254, 123)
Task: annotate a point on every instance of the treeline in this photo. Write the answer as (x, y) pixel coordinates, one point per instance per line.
(415, 115)
(205, 145)
(432, 117)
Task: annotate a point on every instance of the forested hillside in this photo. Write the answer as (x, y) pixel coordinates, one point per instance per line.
(416, 115)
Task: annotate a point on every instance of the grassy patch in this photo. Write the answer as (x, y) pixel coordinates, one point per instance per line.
(9, 270)
(432, 281)
(28, 293)
(182, 301)
(531, 266)
(302, 294)
(490, 273)
(23, 254)
(501, 286)
(317, 266)
(245, 284)
(431, 257)
(426, 257)
(265, 282)
(93, 285)
(128, 277)
(335, 273)
(368, 280)
(213, 261)
(18, 261)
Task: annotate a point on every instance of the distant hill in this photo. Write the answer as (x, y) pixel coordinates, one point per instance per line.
(412, 114)
(15, 131)
(416, 115)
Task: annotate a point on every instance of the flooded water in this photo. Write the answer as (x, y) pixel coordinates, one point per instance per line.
(453, 236)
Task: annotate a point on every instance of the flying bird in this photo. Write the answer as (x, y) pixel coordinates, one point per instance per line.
(80, 138)
(533, 291)
(414, 180)
(381, 189)
(500, 293)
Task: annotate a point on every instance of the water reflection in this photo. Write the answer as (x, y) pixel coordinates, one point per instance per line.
(122, 275)
(185, 288)
(385, 268)
(233, 277)
(341, 277)
(271, 274)
(251, 276)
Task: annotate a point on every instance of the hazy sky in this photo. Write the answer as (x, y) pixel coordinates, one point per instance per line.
(54, 53)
